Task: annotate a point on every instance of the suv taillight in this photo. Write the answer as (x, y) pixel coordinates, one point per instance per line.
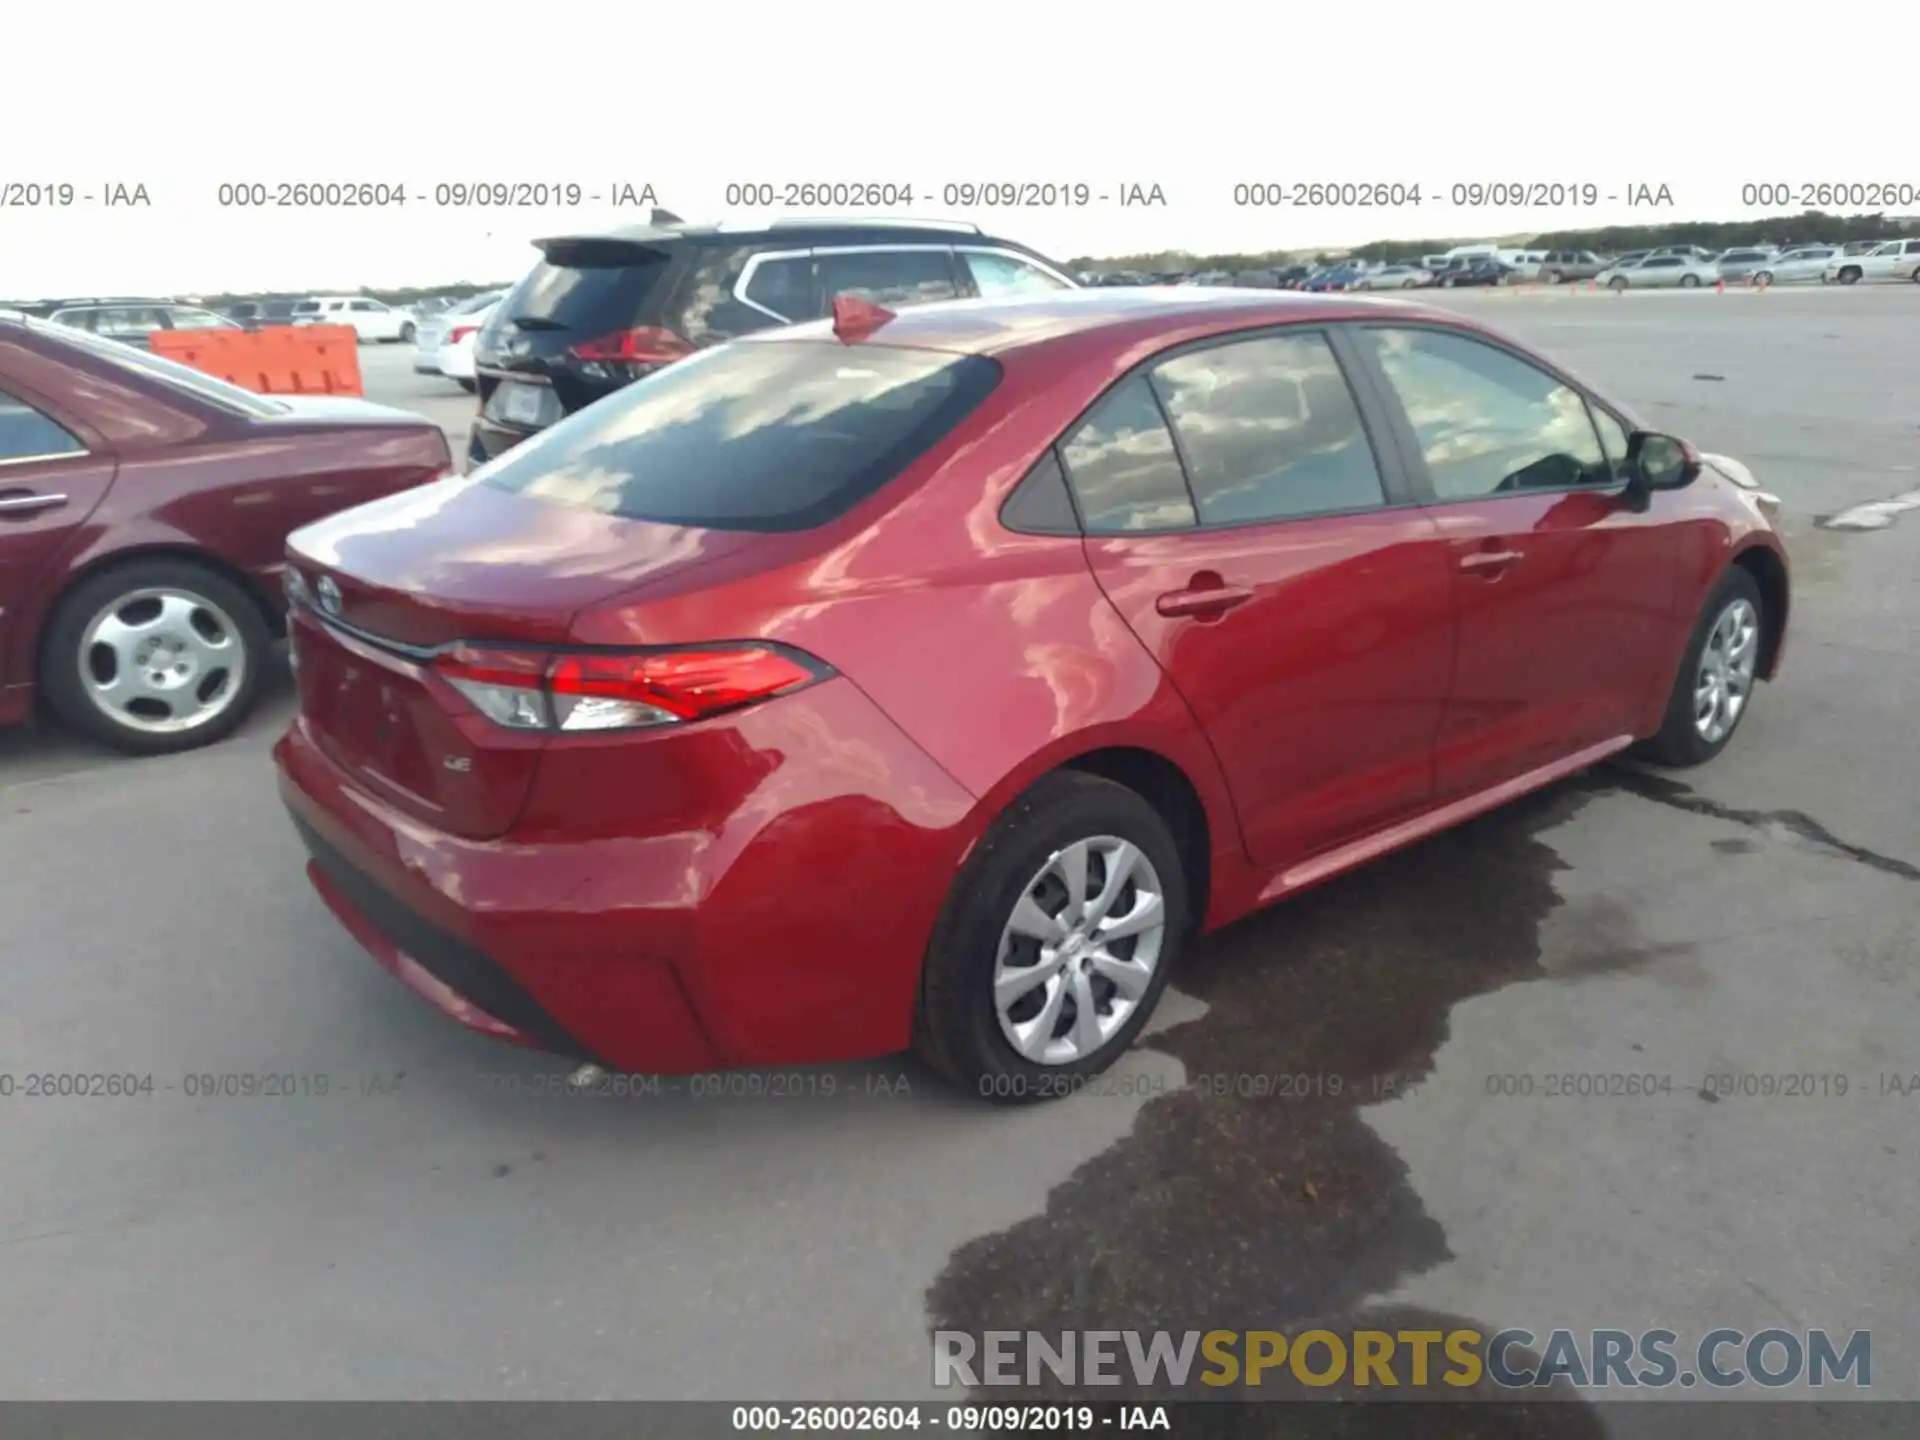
(460, 332)
(575, 690)
(648, 345)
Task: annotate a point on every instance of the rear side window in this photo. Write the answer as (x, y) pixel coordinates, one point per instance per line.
(763, 437)
(1000, 275)
(1269, 430)
(1124, 468)
(782, 286)
(586, 287)
(889, 277)
(26, 434)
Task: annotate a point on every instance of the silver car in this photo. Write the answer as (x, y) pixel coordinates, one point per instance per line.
(1661, 272)
(433, 331)
(1808, 262)
(1393, 277)
(1743, 264)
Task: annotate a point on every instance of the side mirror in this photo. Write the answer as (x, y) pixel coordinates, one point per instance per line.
(1658, 462)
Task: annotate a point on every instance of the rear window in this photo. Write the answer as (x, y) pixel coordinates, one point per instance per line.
(586, 286)
(754, 436)
(307, 307)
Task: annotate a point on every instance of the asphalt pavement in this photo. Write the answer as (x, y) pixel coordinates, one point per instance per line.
(432, 1228)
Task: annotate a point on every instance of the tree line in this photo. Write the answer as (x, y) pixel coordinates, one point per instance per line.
(1812, 227)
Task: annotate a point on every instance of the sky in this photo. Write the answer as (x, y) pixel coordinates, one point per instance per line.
(1578, 105)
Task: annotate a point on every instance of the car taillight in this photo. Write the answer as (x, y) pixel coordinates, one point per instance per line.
(460, 332)
(648, 345)
(620, 689)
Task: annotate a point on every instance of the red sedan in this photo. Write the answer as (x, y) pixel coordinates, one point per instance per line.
(144, 510)
(934, 678)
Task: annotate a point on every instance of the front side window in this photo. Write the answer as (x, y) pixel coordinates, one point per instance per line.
(1000, 275)
(199, 320)
(128, 320)
(1269, 430)
(889, 277)
(29, 434)
(1487, 422)
(1123, 466)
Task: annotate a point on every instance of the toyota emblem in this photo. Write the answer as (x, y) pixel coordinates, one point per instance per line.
(329, 594)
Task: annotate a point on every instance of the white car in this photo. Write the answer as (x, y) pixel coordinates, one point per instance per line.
(1895, 260)
(1393, 277)
(444, 344)
(1808, 262)
(371, 319)
(1660, 272)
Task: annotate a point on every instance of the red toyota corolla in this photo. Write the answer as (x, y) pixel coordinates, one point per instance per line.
(933, 678)
(144, 512)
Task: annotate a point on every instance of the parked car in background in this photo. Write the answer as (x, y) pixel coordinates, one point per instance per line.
(460, 339)
(808, 627)
(1860, 247)
(1561, 266)
(1742, 264)
(1892, 260)
(1660, 272)
(1685, 252)
(1626, 258)
(600, 311)
(1474, 271)
(144, 510)
(459, 326)
(262, 314)
(1393, 277)
(1808, 262)
(132, 323)
(372, 320)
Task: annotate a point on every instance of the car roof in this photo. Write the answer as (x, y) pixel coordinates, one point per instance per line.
(797, 233)
(1000, 326)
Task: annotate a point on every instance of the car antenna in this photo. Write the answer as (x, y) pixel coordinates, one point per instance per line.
(855, 319)
(666, 217)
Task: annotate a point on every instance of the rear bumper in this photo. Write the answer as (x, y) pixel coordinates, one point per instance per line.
(741, 932)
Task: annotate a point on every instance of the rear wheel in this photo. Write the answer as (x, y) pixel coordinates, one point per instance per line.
(1689, 282)
(1617, 283)
(1763, 278)
(406, 334)
(1056, 942)
(154, 656)
(1850, 275)
(465, 384)
(1712, 692)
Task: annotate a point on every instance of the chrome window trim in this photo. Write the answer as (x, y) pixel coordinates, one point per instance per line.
(51, 457)
(754, 262)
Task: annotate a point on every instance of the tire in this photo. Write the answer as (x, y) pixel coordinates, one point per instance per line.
(1850, 275)
(1763, 278)
(471, 387)
(1689, 282)
(1552, 277)
(1617, 284)
(1681, 741)
(1915, 277)
(407, 332)
(959, 1029)
(208, 605)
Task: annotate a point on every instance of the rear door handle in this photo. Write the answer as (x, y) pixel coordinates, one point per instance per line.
(1490, 560)
(1214, 600)
(25, 502)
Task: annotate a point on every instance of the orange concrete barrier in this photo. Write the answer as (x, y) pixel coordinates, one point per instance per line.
(280, 360)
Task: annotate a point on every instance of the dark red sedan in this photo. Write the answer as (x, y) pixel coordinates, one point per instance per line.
(144, 510)
(933, 678)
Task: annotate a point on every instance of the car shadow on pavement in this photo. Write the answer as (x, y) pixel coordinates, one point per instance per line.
(1257, 1198)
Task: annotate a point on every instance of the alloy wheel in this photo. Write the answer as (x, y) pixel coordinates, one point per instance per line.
(1080, 950)
(162, 661)
(1724, 681)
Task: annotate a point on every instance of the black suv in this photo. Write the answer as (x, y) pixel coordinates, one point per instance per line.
(601, 311)
(262, 314)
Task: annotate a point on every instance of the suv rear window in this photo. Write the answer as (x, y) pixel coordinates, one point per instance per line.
(753, 436)
(586, 285)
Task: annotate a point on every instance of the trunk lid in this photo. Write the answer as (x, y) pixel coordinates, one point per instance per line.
(388, 584)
